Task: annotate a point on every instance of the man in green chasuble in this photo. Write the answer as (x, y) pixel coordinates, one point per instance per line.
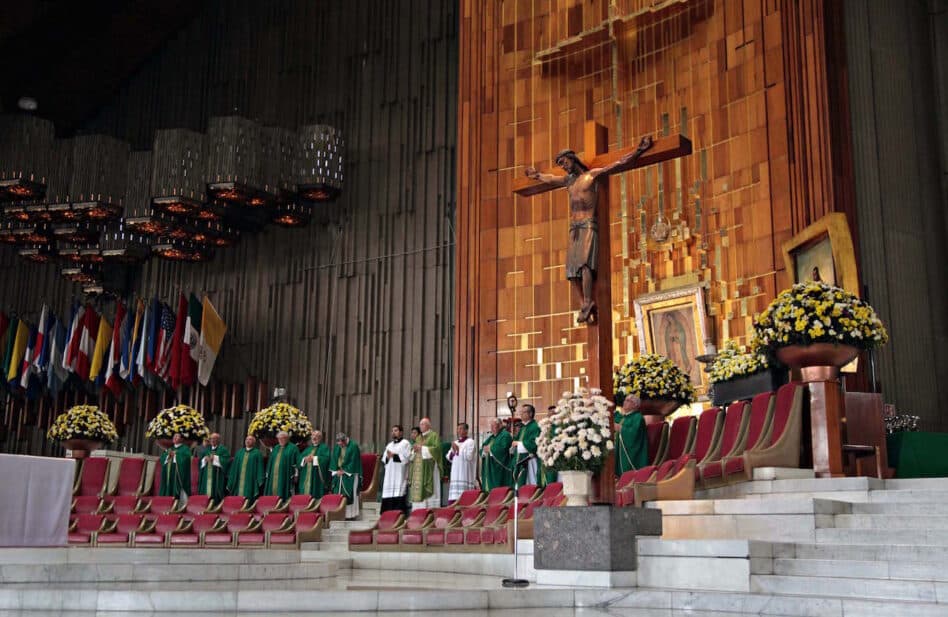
(345, 464)
(176, 470)
(426, 468)
(246, 472)
(314, 468)
(214, 466)
(631, 436)
(495, 457)
(282, 464)
(526, 470)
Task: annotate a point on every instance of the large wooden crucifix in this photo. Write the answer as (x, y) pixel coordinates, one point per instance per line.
(599, 330)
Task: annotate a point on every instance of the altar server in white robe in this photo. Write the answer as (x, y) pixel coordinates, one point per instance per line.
(396, 458)
(462, 456)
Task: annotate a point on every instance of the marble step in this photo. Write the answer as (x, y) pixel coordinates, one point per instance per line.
(909, 496)
(141, 573)
(893, 570)
(887, 521)
(154, 556)
(820, 487)
(895, 508)
(916, 537)
(838, 587)
(917, 483)
(862, 552)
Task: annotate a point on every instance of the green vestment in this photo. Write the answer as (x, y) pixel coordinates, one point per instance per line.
(426, 471)
(281, 465)
(213, 479)
(528, 436)
(347, 459)
(495, 467)
(314, 479)
(175, 471)
(631, 442)
(246, 474)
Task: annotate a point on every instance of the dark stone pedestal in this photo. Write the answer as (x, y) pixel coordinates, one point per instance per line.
(599, 538)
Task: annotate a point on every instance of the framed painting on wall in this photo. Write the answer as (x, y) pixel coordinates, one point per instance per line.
(673, 323)
(826, 247)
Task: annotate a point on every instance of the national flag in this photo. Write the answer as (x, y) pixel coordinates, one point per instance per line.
(9, 340)
(87, 338)
(114, 356)
(73, 334)
(16, 352)
(25, 366)
(192, 334)
(40, 340)
(154, 330)
(102, 340)
(136, 341)
(143, 341)
(177, 343)
(163, 344)
(213, 329)
(128, 339)
(57, 375)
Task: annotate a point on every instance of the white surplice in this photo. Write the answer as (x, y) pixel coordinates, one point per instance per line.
(463, 468)
(396, 472)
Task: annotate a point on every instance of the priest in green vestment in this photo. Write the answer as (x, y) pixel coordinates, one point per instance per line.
(214, 465)
(345, 464)
(281, 467)
(246, 474)
(495, 457)
(426, 468)
(314, 468)
(527, 468)
(176, 470)
(631, 437)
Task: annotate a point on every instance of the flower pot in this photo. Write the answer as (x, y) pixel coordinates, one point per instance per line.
(816, 354)
(164, 443)
(81, 447)
(577, 486)
(654, 410)
(269, 441)
(748, 386)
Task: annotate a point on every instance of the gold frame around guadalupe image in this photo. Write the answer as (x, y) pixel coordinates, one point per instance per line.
(809, 247)
(681, 309)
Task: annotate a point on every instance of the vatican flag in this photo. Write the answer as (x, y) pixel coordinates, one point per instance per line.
(213, 329)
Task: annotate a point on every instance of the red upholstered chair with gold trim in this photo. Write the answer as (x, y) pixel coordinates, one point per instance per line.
(84, 529)
(274, 521)
(657, 441)
(494, 519)
(734, 435)
(267, 504)
(551, 490)
(231, 504)
(370, 477)
(159, 530)
(238, 523)
(782, 447)
(194, 531)
(333, 508)
(625, 487)
(413, 533)
(131, 479)
(125, 504)
(122, 530)
(445, 519)
(93, 477)
(307, 527)
(301, 503)
(470, 517)
(469, 498)
(161, 505)
(88, 504)
(498, 497)
(674, 480)
(198, 504)
(708, 436)
(389, 522)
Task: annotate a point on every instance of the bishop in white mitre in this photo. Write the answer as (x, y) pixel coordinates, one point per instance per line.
(462, 456)
(396, 458)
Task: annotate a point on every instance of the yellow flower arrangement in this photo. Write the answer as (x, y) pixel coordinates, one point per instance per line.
(178, 419)
(734, 361)
(82, 422)
(816, 312)
(280, 417)
(651, 376)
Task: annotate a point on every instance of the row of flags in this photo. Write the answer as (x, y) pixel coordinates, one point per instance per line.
(146, 343)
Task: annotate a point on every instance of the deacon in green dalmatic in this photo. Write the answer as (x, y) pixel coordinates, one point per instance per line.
(176, 470)
(631, 436)
(214, 466)
(314, 468)
(426, 468)
(246, 471)
(495, 457)
(281, 466)
(527, 468)
(345, 464)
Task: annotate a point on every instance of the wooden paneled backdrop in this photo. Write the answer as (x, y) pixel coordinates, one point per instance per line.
(746, 80)
(354, 317)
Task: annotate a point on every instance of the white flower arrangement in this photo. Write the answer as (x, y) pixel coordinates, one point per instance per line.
(578, 435)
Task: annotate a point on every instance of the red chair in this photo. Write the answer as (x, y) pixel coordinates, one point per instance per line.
(782, 448)
(162, 505)
(84, 529)
(307, 528)
(551, 490)
(195, 474)
(122, 530)
(333, 508)
(87, 504)
(470, 517)
(125, 504)
(681, 437)
(230, 505)
(92, 477)
(199, 504)
(267, 504)
(415, 525)
(657, 441)
(498, 497)
(444, 519)
(156, 480)
(192, 534)
(369, 482)
(528, 493)
(159, 530)
(468, 498)
(494, 518)
(390, 521)
(711, 472)
(301, 503)
(239, 522)
(275, 521)
(674, 480)
(708, 438)
(625, 487)
(131, 479)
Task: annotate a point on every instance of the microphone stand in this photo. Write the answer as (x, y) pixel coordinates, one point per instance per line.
(516, 582)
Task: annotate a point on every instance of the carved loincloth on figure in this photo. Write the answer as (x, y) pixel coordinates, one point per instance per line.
(583, 248)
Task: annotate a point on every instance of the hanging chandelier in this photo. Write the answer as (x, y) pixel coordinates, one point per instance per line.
(319, 164)
(26, 144)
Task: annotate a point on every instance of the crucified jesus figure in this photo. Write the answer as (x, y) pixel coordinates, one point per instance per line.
(582, 255)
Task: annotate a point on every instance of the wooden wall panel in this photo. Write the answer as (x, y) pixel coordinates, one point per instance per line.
(354, 318)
